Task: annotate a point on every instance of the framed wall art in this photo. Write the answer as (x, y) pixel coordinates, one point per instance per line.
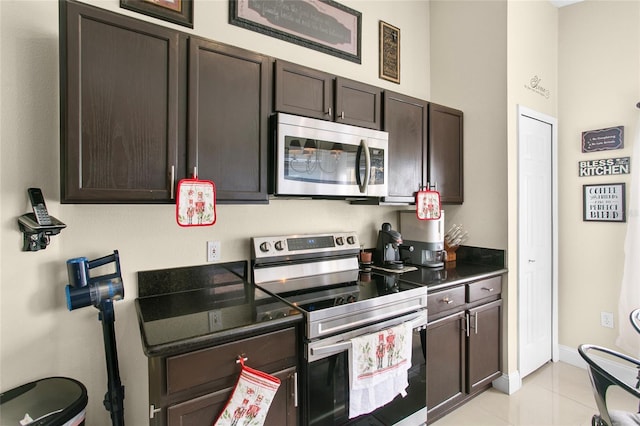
(604, 203)
(176, 11)
(389, 52)
(323, 25)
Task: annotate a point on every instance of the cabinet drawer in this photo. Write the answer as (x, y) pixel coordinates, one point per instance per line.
(268, 352)
(485, 288)
(445, 300)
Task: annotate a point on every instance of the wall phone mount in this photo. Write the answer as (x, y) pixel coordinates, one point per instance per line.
(36, 236)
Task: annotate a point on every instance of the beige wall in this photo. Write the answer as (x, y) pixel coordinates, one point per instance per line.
(464, 61)
(38, 336)
(599, 73)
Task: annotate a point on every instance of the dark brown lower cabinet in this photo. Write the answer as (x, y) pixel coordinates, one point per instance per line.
(464, 348)
(201, 410)
(446, 369)
(193, 388)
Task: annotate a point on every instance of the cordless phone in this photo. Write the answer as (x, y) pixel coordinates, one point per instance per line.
(39, 207)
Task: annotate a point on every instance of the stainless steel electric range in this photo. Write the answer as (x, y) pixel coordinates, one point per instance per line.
(319, 275)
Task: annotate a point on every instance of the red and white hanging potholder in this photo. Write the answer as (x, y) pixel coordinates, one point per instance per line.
(428, 205)
(250, 400)
(196, 203)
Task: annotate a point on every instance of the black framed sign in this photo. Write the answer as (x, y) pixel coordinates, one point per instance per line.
(604, 203)
(603, 139)
(323, 25)
(176, 11)
(389, 52)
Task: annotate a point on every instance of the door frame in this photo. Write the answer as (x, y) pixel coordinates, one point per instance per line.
(553, 122)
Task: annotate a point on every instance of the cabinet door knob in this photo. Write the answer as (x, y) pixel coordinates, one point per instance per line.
(241, 358)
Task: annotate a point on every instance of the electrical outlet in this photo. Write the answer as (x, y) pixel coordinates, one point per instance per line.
(213, 251)
(215, 320)
(606, 319)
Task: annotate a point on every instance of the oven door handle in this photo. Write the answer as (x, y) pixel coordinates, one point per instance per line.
(335, 348)
(418, 322)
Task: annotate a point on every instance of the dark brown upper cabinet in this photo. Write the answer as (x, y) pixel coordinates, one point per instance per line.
(143, 106)
(445, 166)
(304, 91)
(227, 121)
(119, 107)
(406, 121)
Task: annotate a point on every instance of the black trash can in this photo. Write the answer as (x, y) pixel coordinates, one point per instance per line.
(54, 401)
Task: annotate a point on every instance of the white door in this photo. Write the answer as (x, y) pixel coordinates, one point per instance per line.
(537, 313)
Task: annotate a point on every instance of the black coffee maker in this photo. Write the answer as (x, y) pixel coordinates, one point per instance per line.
(389, 247)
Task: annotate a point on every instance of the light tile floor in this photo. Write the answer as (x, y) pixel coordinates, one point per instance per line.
(558, 394)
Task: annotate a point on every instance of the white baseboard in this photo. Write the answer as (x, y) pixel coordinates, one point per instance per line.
(571, 356)
(508, 383)
(512, 382)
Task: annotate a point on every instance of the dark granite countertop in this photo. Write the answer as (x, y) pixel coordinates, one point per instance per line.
(436, 279)
(186, 309)
(473, 263)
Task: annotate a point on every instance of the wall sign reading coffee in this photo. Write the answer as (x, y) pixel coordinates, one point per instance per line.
(604, 203)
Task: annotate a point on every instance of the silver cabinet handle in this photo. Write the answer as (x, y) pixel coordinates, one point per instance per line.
(172, 176)
(329, 112)
(447, 300)
(342, 115)
(466, 317)
(241, 357)
(295, 389)
(195, 172)
(153, 411)
(489, 289)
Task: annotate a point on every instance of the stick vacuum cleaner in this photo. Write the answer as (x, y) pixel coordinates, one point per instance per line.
(101, 291)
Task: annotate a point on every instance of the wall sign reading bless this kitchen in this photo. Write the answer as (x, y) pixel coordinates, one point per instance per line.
(604, 167)
(603, 139)
(604, 203)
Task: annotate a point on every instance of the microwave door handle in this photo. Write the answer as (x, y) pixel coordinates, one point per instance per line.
(363, 183)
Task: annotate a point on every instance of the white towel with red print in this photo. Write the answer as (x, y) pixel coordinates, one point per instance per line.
(378, 365)
(250, 400)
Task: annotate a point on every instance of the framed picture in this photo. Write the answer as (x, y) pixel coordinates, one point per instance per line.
(603, 139)
(604, 203)
(389, 52)
(176, 11)
(323, 25)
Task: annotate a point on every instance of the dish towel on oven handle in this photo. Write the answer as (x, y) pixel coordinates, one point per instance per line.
(251, 398)
(378, 368)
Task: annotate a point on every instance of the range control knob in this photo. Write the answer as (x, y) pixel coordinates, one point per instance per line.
(265, 247)
(278, 245)
(351, 240)
(339, 241)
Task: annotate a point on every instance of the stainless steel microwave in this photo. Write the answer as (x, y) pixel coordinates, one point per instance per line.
(319, 158)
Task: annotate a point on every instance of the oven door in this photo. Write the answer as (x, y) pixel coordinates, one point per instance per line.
(322, 158)
(326, 379)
